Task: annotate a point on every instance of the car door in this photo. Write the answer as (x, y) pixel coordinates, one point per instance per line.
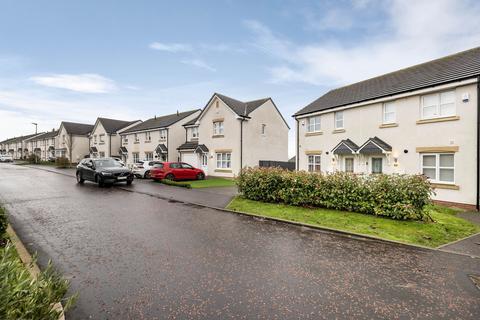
(88, 170)
(177, 170)
(188, 171)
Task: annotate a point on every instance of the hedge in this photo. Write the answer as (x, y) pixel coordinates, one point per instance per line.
(395, 196)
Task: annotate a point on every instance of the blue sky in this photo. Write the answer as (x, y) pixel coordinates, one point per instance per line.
(76, 60)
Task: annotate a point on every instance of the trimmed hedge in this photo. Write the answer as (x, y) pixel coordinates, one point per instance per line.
(395, 196)
(62, 162)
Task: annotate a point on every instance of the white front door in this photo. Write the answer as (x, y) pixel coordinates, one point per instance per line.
(204, 162)
(191, 158)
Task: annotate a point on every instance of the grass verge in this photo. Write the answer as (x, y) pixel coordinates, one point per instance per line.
(175, 183)
(212, 182)
(446, 228)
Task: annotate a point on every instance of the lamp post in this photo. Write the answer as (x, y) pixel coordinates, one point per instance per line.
(35, 124)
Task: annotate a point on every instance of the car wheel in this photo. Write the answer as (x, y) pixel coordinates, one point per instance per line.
(170, 177)
(100, 181)
(147, 174)
(129, 182)
(80, 178)
(200, 176)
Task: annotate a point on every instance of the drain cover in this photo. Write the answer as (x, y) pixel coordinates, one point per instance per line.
(475, 279)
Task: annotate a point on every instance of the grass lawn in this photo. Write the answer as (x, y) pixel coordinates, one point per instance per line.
(212, 182)
(446, 228)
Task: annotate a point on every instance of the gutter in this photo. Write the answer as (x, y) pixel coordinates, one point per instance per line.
(297, 160)
(241, 144)
(110, 145)
(477, 205)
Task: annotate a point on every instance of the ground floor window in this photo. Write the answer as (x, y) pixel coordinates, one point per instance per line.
(314, 163)
(349, 165)
(204, 160)
(149, 156)
(377, 165)
(102, 154)
(224, 160)
(136, 158)
(439, 167)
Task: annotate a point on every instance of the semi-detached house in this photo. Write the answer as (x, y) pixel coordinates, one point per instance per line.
(105, 137)
(155, 139)
(17, 147)
(72, 141)
(43, 145)
(422, 119)
(229, 135)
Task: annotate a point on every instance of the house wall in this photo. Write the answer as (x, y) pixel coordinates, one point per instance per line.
(78, 144)
(363, 122)
(101, 146)
(273, 145)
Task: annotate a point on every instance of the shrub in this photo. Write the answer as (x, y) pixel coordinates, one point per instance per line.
(176, 183)
(33, 158)
(22, 297)
(3, 224)
(394, 196)
(62, 162)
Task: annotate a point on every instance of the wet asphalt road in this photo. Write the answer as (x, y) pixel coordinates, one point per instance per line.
(133, 256)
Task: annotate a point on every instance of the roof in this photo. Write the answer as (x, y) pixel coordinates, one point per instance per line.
(161, 148)
(456, 67)
(113, 125)
(188, 145)
(20, 138)
(345, 147)
(45, 135)
(80, 129)
(161, 122)
(374, 145)
(239, 107)
(191, 122)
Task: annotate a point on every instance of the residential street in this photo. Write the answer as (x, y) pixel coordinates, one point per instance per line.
(133, 256)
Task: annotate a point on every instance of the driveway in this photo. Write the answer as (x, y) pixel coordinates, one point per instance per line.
(134, 256)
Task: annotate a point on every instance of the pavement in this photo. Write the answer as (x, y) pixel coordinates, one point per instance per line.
(134, 256)
(469, 245)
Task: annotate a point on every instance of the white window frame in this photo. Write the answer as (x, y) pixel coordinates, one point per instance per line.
(438, 105)
(95, 139)
(223, 160)
(345, 164)
(371, 164)
(217, 128)
(101, 154)
(136, 157)
(163, 134)
(312, 163)
(194, 132)
(125, 140)
(136, 138)
(149, 156)
(385, 112)
(204, 159)
(314, 124)
(336, 120)
(437, 166)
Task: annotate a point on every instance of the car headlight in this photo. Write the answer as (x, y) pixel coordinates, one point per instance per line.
(106, 174)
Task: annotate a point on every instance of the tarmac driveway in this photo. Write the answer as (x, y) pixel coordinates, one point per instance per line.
(133, 256)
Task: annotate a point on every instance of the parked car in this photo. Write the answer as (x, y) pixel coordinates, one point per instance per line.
(175, 171)
(103, 171)
(119, 161)
(142, 169)
(6, 158)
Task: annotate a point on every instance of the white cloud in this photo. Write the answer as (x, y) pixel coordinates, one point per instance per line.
(199, 64)
(171, 47)
(415, 32)
(87, 82)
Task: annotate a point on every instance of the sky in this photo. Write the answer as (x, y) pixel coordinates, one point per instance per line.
(78, 60)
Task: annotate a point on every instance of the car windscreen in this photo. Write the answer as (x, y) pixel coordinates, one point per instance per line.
(158, 165)
(106, 163)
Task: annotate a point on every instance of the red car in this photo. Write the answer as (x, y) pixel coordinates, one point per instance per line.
(175, 171)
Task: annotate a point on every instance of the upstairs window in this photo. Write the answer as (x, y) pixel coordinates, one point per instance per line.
(438, 105)
(218, 128)
(264, 128)
(163, 135)
(338, 120)
(389, 113)
(136, 137)
(148, 137)
(313, 124)
(101, 138)
(95, 139)
(194, 132)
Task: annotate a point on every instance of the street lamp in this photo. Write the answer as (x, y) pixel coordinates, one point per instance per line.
(35, 124)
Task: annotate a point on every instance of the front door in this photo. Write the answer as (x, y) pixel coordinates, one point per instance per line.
(191, 158)
(204, 161)
(377, 165)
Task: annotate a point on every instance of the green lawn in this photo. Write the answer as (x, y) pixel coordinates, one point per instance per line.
(212, 182)
(446, 228)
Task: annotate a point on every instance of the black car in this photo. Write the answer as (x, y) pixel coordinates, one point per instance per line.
(103, 171)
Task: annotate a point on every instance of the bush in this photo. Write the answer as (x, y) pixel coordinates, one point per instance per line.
(33, 158)
(176, 183)
(395, 196)
(62, 162)
(3, 225)
(22, 297)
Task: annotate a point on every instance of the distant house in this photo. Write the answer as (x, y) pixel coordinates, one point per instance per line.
(73, 141)
(229, 135)
(155, 139)
(16, 147)
(105, 137)
(421, 119)
(43, 145)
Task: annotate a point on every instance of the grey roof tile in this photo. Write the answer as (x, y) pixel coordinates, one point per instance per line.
(160, 122)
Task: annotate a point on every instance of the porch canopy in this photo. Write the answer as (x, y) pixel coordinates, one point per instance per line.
(161, 149)
(201, 148)
(345, 147)
(51, 148)
(123, 150)
(37, 149)
(375, 145)
(93, 150)
(187, 146)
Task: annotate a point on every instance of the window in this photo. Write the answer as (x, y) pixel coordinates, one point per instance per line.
(264, 128)
(149, 156)
(95, 139)
(313, 124)
(186, 166)
(339, 120)
(175, 165)
(438, 105)
(163, 135)
(377, 165)
(439, 167)
(218, 128)
(135, 157)
(102, 154)
(125, 140)
(349, 165)
(147, 136)
(204, 160)
(314, 163)
(136, 138)
(194, 132)
(63, 138)
(224, 160)
(389, 113)
(101, 138)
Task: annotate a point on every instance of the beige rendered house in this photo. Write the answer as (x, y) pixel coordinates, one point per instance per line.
(422, 119)
(105, 137)
(17, 147)
(156, 138)
(229, 135)
(72, 141)
(43, 145)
